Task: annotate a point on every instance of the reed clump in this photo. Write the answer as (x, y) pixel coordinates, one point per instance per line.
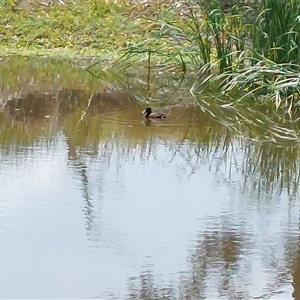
(249, 48)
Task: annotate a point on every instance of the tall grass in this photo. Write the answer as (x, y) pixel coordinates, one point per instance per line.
(188, 36)
(250, 48)
(276, 31)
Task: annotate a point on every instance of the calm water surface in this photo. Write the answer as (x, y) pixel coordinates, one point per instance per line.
(110, 208)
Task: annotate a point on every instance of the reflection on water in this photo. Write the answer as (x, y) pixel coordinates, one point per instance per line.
(95, 204)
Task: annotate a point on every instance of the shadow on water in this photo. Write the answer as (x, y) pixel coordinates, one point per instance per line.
(101, 126)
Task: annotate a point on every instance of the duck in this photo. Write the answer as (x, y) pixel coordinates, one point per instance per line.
(148, 114)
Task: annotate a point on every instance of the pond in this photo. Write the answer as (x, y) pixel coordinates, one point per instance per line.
(97, 203)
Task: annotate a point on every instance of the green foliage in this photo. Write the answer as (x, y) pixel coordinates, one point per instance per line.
(250, 49)
(191, 35)
(276, 31)
(271, 83)
(220, 45)
(84, 26)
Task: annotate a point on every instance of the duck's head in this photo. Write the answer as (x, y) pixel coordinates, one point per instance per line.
(147, 112)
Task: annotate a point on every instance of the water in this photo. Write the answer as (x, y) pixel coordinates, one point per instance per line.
(110, 208)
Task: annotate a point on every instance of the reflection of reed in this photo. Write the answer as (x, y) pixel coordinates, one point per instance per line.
(81, 170)
(262, 167)
(216, 254)
(199, 137)
(216, 266)
(269, 168)
(144, 287)
(296, 268)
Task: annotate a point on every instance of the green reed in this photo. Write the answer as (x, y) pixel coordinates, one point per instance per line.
(267, 149)
(249, 49)
(267, 68)
(276, 31)
(191, 36)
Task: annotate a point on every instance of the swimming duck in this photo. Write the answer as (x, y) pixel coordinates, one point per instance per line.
(149, 114)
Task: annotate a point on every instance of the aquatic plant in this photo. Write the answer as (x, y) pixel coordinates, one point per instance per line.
(247, 47)
(264, 82)
(276, 31)
(228, 50)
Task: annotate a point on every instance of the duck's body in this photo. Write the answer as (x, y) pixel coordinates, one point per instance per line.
(148, 114)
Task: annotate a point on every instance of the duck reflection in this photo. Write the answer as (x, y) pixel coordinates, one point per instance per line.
(147, 122)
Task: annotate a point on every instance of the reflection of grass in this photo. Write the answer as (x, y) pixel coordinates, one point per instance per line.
(262, 124)
(14, 134)
(42, 74)
(239, 148)
(20, 77)
(272, 168)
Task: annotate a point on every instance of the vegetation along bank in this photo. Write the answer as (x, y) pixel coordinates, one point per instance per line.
(248, 48)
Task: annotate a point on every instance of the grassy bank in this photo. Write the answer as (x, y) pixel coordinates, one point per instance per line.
(248, 48)
(247, 51)
(64, 29)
